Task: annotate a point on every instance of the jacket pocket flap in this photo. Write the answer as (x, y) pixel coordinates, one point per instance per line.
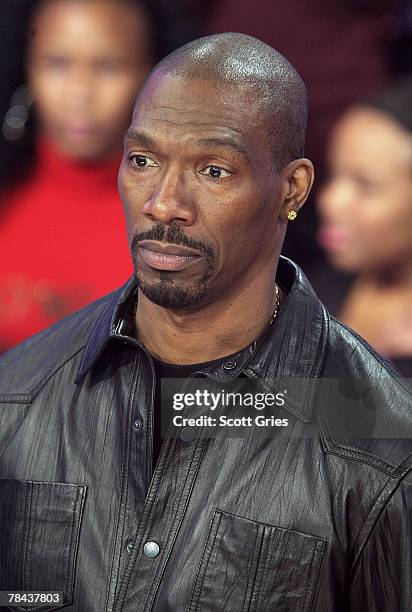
(248, 565)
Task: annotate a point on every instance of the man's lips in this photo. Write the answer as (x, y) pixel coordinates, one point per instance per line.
(167, 256)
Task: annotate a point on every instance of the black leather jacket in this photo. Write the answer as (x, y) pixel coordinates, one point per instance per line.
(302, 521)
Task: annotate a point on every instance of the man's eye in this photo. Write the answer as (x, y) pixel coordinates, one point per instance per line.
(216, 172)
(142, 161)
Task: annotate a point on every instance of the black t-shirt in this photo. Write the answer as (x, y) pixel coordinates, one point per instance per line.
(171, 370)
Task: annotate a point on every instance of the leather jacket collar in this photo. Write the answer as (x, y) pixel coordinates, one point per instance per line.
(285, 347)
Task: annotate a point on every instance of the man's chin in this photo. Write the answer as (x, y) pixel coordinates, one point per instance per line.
(172, 297)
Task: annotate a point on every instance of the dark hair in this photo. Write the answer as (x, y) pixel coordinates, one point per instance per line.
(169, 31)
(395, 101)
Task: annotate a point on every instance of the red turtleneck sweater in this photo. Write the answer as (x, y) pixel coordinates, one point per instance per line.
(62, 242)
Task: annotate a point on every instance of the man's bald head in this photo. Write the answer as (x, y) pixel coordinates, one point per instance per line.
(241, 60)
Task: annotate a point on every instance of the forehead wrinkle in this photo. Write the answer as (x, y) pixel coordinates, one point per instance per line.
(220, 135)
(153, 106)
(222, 100)
(226, 100)
(198, 119)
(220, 140)
(162, 120)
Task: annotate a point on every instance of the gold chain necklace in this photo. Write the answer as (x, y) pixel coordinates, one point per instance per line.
(277, 298)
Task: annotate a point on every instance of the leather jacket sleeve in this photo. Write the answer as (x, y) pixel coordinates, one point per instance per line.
(382, 576)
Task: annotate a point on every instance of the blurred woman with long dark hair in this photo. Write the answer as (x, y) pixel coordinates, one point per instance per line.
(70, 71)
(366, 219)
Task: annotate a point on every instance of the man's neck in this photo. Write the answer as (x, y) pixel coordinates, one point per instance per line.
(210, 332)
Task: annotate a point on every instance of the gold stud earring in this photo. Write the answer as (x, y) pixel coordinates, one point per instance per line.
(292, 214)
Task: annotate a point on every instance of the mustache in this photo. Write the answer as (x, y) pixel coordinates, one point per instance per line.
(172, 234)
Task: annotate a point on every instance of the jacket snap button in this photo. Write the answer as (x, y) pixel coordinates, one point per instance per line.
(229, 365)
(129, 546)
(151, 549)
(188, 434)
(137, 425)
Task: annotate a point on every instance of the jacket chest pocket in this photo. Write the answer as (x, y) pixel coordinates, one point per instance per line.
(254, 567)
(39, 533)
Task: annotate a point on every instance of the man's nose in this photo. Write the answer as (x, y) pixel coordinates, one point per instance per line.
(171, 201)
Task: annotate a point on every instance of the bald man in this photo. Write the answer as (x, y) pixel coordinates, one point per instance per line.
(207, 437)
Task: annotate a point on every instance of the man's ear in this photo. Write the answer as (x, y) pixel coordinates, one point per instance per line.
(298, 179)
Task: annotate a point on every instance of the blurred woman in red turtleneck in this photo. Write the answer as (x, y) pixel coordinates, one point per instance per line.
(62, 241)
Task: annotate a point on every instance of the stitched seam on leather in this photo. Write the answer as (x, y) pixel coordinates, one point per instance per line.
(324, 336)
(249, 568)
(179, 514)
(309, 576)
(94, 318)
(41, 384)
(360, 456)
(113, 581)
(203, 573)
(30, 531)
(28, 539)
(27, 398)
(80, 497)
(310, 593)
(142, 533)
(369, 534)
(363, 460)
(374, 501)
(145, 527)
(4, 447)
(25, 534)
(197, 578)
(123, 582)
(257, 587)
(68, 576)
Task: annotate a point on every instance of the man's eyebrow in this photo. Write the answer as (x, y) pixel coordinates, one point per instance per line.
(140, 138)
(225, 142)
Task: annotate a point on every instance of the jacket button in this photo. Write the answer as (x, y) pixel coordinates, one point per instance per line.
(151, 549)
(229, 365)
(137, 425)
(129, 546)
(188, 434)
